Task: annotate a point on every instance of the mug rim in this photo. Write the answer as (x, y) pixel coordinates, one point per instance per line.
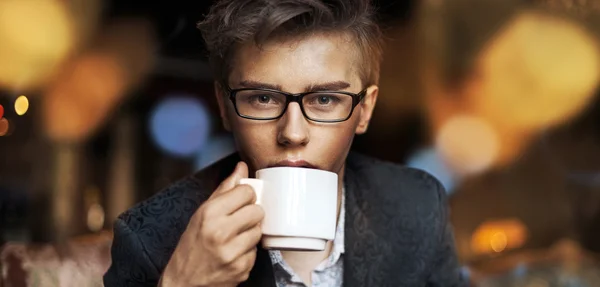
(296, 167)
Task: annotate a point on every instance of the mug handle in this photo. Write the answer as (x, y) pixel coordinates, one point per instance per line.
(257, 185)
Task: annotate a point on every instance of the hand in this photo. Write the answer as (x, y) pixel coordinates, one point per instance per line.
(219, 245)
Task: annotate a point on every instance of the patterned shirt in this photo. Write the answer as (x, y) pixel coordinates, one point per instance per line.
(327, 274)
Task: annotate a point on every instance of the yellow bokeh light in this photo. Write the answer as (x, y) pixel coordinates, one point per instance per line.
(21, 105)
(36, 36)
(540, 71)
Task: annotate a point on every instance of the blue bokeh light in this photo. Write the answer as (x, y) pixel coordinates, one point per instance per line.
(180, 125)
(430, 160)
(215, 149)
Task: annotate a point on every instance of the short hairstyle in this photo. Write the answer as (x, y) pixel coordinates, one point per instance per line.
(230, 23)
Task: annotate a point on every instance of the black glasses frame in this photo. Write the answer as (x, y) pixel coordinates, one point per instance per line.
(289, 98)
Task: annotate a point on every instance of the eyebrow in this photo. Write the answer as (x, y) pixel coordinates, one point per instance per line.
(258, 85)
(328, 86)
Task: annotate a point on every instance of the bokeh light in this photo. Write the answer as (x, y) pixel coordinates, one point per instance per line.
(1, 111)
(95, 217)
(468, 144)
(21, 105)
(498, 242)
(82, 97)
(431, 161)
(540, 71)
(215, 149)
(520, 79)
(4, 127)
(496, 236)
(35, 36)
(180, 125)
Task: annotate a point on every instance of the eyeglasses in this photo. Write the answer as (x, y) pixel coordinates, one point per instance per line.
(318, 106)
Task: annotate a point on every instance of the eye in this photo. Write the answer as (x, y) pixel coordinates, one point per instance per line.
(324, 100)
(263, 99)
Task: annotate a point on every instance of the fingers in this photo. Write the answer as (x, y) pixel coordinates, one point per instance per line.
(230, 202)
(240, 171)
(245, 241)
(223, 230)
(229, 252)
(246, 218)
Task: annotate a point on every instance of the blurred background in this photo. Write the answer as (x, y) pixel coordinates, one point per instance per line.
(103, 103)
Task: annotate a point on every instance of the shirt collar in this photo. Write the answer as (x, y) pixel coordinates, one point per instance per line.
(338, 241)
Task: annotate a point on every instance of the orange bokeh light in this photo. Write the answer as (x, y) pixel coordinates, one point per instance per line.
(496, 236)
(92, 84)
(4, 127)
(83, 96)
(498, 242)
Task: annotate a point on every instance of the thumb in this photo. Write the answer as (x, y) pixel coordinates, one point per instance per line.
(240, 171)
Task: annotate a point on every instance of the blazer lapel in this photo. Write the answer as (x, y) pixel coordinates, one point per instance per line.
(363, 252)
(354, 269)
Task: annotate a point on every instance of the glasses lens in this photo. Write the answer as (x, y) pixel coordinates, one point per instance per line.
(259, 104)
(327, 106)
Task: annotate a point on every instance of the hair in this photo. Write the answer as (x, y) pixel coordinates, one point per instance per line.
(230, 23)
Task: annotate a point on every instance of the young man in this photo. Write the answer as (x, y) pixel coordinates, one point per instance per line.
(296, 80)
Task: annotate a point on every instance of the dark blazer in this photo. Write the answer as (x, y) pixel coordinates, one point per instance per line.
(396, 234)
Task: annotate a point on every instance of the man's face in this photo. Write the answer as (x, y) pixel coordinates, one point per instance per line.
(313, 63)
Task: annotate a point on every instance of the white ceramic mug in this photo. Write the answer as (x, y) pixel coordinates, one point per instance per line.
(300, 207)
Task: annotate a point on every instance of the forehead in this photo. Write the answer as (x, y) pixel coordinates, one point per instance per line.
(297, 63)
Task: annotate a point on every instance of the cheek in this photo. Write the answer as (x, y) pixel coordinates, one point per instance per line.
(334, 138)
(332, 144)
(255, 140)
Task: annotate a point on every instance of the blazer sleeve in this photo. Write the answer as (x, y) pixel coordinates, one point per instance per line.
(445, 268)
(131, 265)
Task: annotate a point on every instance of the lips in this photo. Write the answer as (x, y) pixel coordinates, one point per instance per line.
(294, 163)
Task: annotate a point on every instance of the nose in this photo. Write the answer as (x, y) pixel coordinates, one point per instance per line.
(293, 127)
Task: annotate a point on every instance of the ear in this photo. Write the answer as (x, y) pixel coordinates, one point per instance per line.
(222, 101)
(366, 109)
